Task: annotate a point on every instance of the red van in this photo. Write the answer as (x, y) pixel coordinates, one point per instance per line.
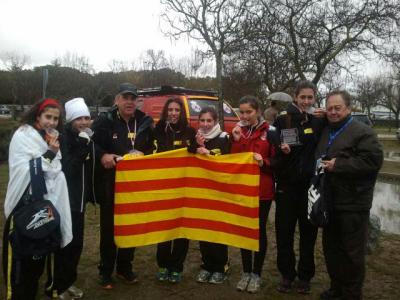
(152, 100)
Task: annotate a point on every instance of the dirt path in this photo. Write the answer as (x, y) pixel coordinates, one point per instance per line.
(382, 280)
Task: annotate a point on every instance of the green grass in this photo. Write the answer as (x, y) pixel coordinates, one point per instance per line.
(7, 123)
(384, 129)
(3, 179)
(390, 145)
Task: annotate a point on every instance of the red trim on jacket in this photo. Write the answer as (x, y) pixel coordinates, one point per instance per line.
(258, 142)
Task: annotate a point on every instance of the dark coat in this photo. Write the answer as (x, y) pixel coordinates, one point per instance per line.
(77, 165)
(111, 133)
(359, 157)
(170, 138)
(111, 136)
(297, 166)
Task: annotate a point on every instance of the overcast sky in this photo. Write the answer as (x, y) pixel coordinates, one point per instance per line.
(101, 30)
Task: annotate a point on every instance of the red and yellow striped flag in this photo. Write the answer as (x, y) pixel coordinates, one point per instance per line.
(177, 194)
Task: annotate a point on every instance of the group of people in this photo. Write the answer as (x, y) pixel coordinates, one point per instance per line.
(285, 151)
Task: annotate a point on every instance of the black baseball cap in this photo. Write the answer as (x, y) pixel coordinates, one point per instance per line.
(127, 88)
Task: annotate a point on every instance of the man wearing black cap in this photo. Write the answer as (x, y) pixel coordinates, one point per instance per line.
(123, 129)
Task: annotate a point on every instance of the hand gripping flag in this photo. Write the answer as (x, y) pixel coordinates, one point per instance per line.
(177, 194)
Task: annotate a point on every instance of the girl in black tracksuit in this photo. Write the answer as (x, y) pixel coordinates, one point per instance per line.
(211, 140)
(172, 132)
(77, 151)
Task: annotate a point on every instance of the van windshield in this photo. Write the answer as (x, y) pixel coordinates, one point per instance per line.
(196, 105)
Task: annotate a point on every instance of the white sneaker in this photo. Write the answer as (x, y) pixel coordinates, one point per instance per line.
(203, 276)
(64, 296)
(254, 284)
(243, 282)
(75, 292)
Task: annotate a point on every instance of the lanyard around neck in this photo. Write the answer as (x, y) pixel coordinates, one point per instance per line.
(130, 135)
(333, 135)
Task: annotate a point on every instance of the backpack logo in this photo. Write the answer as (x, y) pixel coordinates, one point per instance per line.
(41, 218)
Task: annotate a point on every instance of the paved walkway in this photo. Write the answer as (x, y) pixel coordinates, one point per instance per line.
(384, 136)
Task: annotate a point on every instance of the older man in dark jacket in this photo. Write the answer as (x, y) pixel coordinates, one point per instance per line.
(351, 157)
(124, 129)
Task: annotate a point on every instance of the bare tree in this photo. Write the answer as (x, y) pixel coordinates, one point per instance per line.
(391, 95)
(117, 66)
(14, 61)
(299, 39)
(15, 64)
(214, 22)
(192, 65)
(75, 61)
(369, 93)
(154, 60)
(56, 62)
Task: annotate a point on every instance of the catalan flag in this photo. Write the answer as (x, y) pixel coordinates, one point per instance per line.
(177, 194)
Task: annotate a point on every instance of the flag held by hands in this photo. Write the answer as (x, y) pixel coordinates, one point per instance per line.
(177, 194)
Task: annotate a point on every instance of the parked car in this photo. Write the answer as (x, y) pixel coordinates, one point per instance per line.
(363, 118)
(5, 112)
(152, 100)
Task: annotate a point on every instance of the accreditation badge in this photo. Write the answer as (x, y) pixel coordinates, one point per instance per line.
(308, 131)
(215, 152)
(177, 143)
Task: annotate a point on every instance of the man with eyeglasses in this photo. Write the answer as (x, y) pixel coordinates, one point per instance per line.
(123, 129)
(351, 157)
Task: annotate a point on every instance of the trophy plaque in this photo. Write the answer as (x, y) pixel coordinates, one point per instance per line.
(290, 136)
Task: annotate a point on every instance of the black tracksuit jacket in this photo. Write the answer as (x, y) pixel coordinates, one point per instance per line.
(219, 145)
(77, 165)
(299, 164)
(111, 136)
(170, 137)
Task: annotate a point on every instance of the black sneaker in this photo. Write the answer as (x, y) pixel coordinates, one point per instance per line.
(128, 277)
(330, 294)
(106, 282)
(285, 286)
(303, 287)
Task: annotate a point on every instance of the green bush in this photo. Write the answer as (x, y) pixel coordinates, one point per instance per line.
(7, 128)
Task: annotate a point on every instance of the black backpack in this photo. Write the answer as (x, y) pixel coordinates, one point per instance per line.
(35, 229)
(318, 200)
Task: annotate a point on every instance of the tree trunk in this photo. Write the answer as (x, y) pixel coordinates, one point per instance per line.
(218, 61)
(15, 99)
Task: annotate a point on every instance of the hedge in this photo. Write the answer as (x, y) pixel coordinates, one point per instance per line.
(7, 128)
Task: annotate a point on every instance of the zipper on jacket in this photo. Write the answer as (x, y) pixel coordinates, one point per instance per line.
(83, 185)
(93, 169)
